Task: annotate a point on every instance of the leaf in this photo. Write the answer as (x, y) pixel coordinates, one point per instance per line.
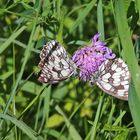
(137, 5)
(122, 136)
(135, 108)
(92, 133)
(6, 75)
(21, 125)
(100, 19)
(72, 131)
(31, 87)
(108, 127)
(11, 39)
(55, 134)
(60, 92)
(82, 15)
(54, 121)
(125, 37)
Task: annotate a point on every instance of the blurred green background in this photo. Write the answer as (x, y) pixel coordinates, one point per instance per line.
(72, 109)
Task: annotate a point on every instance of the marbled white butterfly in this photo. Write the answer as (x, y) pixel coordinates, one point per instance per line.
(55, 64)
(113, 77)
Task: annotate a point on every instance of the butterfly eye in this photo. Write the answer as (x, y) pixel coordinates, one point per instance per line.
(55, 64)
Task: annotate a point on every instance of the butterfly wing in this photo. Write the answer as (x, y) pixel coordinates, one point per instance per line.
(55, 63)
(114, 78)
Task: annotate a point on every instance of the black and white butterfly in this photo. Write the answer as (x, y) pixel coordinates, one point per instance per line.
(55, 63)
(113, 77)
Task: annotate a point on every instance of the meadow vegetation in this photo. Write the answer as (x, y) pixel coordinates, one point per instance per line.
(72, 109)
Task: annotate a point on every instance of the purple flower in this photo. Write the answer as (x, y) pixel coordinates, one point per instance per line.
(88, 59)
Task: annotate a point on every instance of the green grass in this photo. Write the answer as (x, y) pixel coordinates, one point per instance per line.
(70, 110)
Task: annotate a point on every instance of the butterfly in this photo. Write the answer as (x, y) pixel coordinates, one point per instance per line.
(55, 64)
(113, 77)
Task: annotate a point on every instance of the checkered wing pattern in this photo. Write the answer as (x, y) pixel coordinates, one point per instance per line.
(55, 63)
(113, 78)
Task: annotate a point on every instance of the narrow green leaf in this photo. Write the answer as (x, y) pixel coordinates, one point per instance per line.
(59, 36)
(127, 4)
(135, 108)
(60, 92)
(26, 57)
(29, 105)
(119, 119)
(11, 39)
(100, 19)
(46, 107)
(31, 87)
(125, 37)
(21, 125)
(111, 114)
(82, 15)
(55, 134)
(72, 131)
(92, 133)
(6, 75)
(114, 128)
(122, 136)
(137, 4)
(94, 127)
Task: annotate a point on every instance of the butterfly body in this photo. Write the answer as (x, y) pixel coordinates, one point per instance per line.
(55, 64)
(113, 77)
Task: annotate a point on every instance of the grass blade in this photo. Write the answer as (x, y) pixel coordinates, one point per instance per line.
(72, 131)
(135, 108)
(92, 133)
(125, 37)
(11, 39)
(55, 134)
(21, 125)
(94, 127)
(100, 19)
(83, 15)
(26, 54)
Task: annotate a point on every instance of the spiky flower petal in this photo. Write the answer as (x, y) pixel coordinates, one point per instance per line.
(88, 59)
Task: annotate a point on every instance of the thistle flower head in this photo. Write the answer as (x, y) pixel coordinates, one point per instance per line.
(88, 59)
